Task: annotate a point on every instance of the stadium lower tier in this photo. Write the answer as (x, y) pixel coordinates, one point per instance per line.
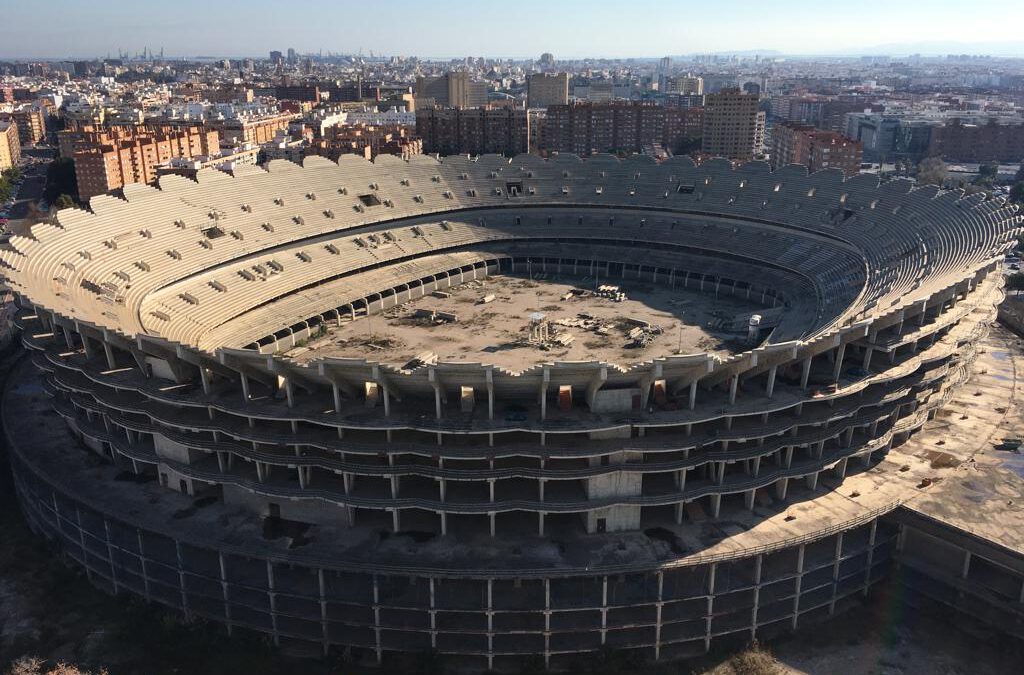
(388, 534)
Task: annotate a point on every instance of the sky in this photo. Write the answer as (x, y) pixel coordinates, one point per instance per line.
(516, 28)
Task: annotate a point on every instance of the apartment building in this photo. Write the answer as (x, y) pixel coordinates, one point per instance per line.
(687, 85)
(794, 143)
(454, 89)
(10, 145)
(585, 128)
(241, 130)
(545, 90)
(368, 141)
(989, 141)
(475, 131)
(731, 124)
(31, 122)
(118, 161)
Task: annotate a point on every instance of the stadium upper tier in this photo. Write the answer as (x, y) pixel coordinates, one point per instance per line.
(241, 261)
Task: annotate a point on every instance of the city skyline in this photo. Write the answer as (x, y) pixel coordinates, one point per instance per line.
(571, 30)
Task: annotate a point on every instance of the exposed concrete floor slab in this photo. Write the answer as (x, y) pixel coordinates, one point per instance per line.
(984, 493)
(496, 332)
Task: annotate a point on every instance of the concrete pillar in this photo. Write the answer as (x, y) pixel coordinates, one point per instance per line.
(110, 556)
(812, 481)
(711, 606)
(799, 579)
(225, 592)
(490, 394)
(838, 368)
(109, 352)
(604, 610)
(871, 556)
(658, 607)
(780, 488)
(757, 596)
(733, 384)
(181, 579)
(693, 394)
(324, 633)
(805, 372)
(770, 389)
(867, 358)
(376, 619)
(716, 505)
(835, 573)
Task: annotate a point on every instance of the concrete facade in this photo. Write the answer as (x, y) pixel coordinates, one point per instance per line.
(162, 357)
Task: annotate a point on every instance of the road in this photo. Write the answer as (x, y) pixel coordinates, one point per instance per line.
(34, 173)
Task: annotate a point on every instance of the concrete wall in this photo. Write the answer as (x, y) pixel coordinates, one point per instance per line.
(305, 511)
(173, 450)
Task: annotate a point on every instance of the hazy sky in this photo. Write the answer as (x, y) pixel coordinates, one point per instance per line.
(516, 28)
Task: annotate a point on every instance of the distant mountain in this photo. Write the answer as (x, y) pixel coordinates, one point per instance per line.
(941, 48)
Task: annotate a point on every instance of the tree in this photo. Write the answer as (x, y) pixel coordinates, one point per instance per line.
(1017, 193)
(932, 171)
(64, 202)
(987, 173)
(1015, 282)
(60, 179)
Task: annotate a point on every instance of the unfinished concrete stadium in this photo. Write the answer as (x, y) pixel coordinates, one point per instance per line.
(499, 409)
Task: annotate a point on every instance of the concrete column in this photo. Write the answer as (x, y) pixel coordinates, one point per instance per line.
(433, 615)
(272, 597)
(324, 633)
(710, 607)
(109, 352)
(867, 358)
(966, 567)
(835, 573)
(490, 394)
(871, 555)
(757, 596)
(142, 560)
(181, 579)
(544, 394)
(490, 624)
(225, 592)
(838, 368)
(812, 481)
(657, 625)
(110, 555)
(376, 618)
(805, 372)
(547, 623)
(693, 394)
(716, 505)
(799, 579)
(604, 610)
(245, 387)
(733, 384)
(771, 381)
(780, 488)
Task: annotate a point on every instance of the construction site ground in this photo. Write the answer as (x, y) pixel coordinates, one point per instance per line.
(498, 331)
